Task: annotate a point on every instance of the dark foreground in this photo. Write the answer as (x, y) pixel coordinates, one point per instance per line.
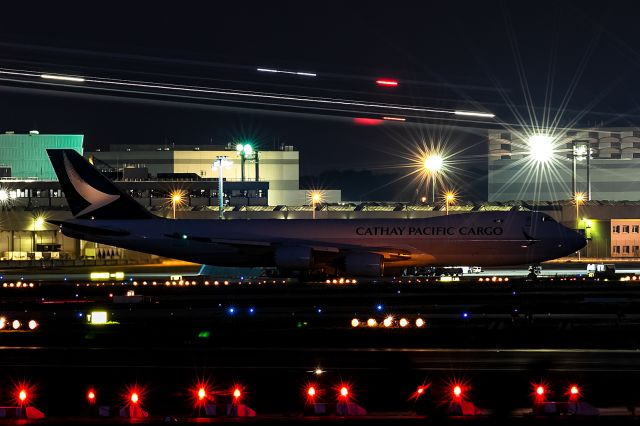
(498, 341)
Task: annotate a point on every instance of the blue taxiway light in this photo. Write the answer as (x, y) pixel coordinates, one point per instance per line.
(379, 307)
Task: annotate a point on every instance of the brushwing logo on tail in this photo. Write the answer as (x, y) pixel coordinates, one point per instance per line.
(96, 198)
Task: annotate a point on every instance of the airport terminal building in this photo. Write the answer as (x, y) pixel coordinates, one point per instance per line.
(611, 172)
(151, 173)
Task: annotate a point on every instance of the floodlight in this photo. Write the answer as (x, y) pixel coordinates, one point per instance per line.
(540, 148)
(433, 163)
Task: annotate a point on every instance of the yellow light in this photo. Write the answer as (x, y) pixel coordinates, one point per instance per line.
(388, 321)
(419, 322)
(433, 163)
(372, 322)
(33, 324)
(403, 322)
(99, 275)
(450, 197)
(355, 322)
(38, 223)
(176, 198)
(15, 324)
(579, 197)
(98, 317)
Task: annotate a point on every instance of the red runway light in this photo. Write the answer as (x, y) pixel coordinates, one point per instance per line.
(237, 393)
(134, 398)
(457, 391)
(540, 390)
(311, 391)
(420, 390)
(22, 396)
(202, 394)
(574, 390)
(91, 396)
(387, 83)
(344, 391)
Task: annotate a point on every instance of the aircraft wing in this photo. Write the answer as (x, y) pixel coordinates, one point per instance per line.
(390, 253)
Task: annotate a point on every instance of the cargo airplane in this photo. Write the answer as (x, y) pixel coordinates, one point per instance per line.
(105, 214)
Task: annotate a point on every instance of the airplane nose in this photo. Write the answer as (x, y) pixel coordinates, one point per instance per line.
(576, 240)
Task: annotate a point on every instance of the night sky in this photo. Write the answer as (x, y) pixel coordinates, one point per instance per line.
(577, 60)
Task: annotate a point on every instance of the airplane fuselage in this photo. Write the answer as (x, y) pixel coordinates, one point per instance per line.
(482, 238)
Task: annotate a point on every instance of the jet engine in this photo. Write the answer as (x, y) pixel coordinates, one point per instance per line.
(295, 258)
(364, 264)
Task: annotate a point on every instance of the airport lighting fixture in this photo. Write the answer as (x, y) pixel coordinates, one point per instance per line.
(58, 77)
(432, 165)
(541, 148)
(449, 198)
(221, 163)
(176, 198)
(315, 197)
(4, 196)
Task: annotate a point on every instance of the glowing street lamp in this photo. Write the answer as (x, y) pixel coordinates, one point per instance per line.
(4, 196)
(316, 197)
(433, 163)
(449, 198)
(176, 198)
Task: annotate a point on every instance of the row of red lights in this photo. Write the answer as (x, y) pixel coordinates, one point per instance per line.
(202, 394)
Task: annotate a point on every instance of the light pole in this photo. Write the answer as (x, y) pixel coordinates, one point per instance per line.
(316, 197)
(432, 165)
(176, 198)
(220, 163)
(449, 198)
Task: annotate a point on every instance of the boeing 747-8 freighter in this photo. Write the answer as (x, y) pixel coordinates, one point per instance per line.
(359, 247)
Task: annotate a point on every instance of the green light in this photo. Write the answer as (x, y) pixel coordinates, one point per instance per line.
(239, 147)
(204, 334)
(248, 149)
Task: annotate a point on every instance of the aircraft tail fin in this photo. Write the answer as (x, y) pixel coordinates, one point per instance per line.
(90, 194)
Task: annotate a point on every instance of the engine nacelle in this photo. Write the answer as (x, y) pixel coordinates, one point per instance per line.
(292, 257)
(364, 264)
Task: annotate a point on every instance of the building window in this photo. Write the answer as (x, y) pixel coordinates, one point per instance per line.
(505, 157)
(505, 146)
(625, 229)
(616, 156)
(636, 249)
(615, 229)
(615, 145)
(616, 249)
(626, 249)
(635, 229)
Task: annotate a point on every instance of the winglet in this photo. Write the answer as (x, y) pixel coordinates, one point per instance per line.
(90, 194)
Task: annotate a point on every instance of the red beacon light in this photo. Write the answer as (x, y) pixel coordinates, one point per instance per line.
(540, 390)
(344, 392)
(202, 394)
(457, 391)
(91, 396)
(237, 394)
(311, 392)
(22, 396)
(134, 398)
(574, 391)
(420, 390)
